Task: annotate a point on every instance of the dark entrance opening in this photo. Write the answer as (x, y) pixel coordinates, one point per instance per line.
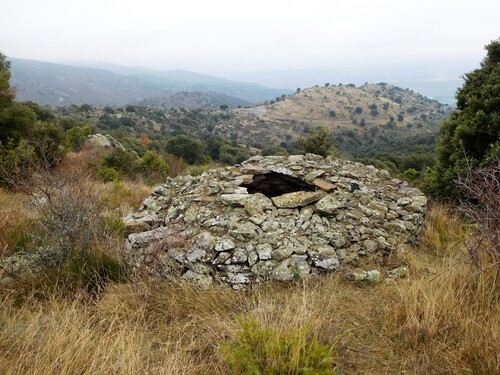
(274, 184)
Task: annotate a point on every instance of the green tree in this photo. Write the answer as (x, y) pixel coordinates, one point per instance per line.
(214, 144)
(153, 166)
(319, 143)
(470, 137)
(191, 150)
(6, 93)
(125, 162)
(77, 136)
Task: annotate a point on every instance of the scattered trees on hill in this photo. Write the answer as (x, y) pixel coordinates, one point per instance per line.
(471, 136)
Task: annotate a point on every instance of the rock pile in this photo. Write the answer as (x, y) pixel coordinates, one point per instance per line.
(272, 218)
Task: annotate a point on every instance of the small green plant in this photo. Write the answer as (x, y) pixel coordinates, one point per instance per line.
(108, 174)
(269, 351)
(92, 270)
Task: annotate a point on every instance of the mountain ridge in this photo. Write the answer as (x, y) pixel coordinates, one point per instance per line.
(58, 85)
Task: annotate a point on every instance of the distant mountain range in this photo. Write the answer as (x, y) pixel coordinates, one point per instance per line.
(60, 85)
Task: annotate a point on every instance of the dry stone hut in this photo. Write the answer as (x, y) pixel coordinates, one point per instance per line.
(272, 217)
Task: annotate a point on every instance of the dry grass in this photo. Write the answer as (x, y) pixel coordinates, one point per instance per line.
(444, 320)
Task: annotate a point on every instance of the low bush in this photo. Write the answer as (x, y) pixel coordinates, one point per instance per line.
(269, 351)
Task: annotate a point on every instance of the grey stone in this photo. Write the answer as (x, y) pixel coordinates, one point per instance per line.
(264, 268)
(212, 225)
(297, 199)
(282, 252)
(203, 281)
(234, 199)
(264, 251)
(324, 256)
(291, 269)
(328, 205)
(225, 245)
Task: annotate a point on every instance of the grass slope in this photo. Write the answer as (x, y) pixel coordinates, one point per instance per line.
(442, 320)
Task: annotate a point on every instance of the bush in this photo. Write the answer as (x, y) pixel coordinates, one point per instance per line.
(258, 350)
(191, 150)
(153, 167)
(318, 143)
(108, 174)
(470, 138)
(410, 174)
(77, 135)
(92, 271)
(125, 162)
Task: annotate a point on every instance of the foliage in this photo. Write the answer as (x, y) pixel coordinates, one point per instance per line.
(471, 137)
(213, 146)
(125, 162)
(108, 174)
(6, 94)
(267, 351)
(191, 150)
(27, 131)
(229, 154)
(274, 150)
(410, 174)
(318, 143)
(16, 122)
(77, 135)
(92, 271)
(153, 167)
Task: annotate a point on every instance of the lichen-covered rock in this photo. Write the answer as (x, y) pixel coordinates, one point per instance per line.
(273, 217)
(297, 199)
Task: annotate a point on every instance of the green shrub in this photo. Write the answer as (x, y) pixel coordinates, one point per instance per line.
(268, 351)
(189, 149)
(410, 174)
(153, 167)
(77, 136)
(92, 271)
(470, 138)
(125, 162)
(196, 170)
(319, 143)
(108, 174)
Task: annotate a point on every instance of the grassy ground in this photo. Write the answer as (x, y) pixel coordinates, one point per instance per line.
(444, 319)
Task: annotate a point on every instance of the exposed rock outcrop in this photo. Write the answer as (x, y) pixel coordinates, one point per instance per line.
(104, 141)
(272, 218)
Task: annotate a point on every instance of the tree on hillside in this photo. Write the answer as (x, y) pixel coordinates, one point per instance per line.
(6, 93)
(24, 124)
(189, 149)
(471, 136)
(318, 143)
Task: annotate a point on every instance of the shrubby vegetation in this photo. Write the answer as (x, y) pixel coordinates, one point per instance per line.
(471, 137)
(51, 322)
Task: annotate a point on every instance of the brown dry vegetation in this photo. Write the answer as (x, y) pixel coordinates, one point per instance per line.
(443, 320)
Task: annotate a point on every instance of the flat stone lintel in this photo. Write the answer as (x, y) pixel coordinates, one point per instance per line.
(254, 170)
(323, 185)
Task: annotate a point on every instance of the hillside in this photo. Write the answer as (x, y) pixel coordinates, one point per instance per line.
(58, 85)
(363, 121)
(193, 100)
(359, 118)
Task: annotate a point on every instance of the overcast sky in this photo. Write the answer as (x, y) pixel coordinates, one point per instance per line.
(232, 36)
